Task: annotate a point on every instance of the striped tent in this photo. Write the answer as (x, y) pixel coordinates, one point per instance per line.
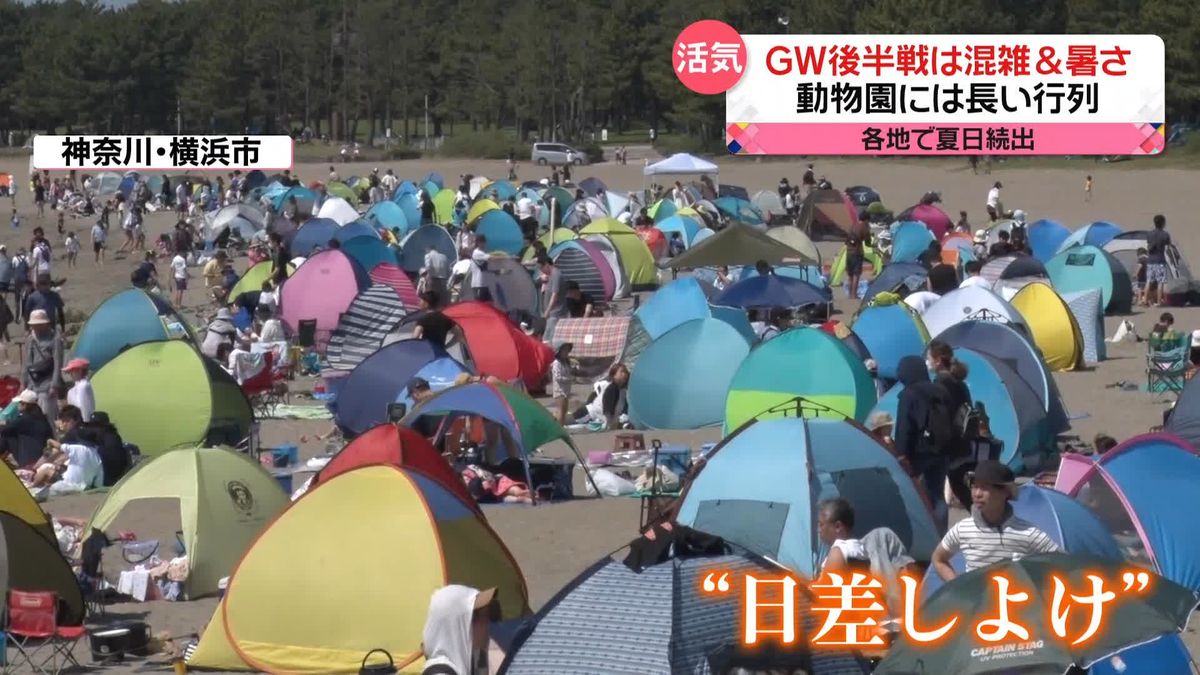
(394, 277)
(363, 327)
(1089, 314)
(586, 267)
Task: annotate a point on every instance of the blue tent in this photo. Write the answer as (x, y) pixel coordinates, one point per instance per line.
(304, 199)
(314, 234)
(502, 232)
(810, 273)
(255, 179)
(127, 183)
(1045, 237)
(388, 215)
(1070, 524)
(370, 252)
(380, 379)
(890, 332)
(681, 379)
(439, 373)
(681, 301)
(412, 209)
(760, 488)
(772, 291)
(612, 620)
(1014, 415)
(909, 240)
(1167, 655)
(897, 277)
(1085, 267)
(413, 248)
(435, 178)
(1096, 234)
(358, 228)
(498, 191)
(685, 226)
(128, 318)
(739, 210)
(406, 187)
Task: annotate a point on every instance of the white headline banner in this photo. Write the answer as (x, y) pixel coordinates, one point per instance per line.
(162, 153)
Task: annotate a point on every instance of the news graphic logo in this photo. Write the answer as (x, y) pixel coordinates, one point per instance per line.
(162, 153)
(931, 94)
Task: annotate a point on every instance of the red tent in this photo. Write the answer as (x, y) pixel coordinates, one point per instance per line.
(391, 275)
(934, 218)
(394, 446)
(499, 348)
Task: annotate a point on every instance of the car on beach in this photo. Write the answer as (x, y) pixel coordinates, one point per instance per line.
(557, 154)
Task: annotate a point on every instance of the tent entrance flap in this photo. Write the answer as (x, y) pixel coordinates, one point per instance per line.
(759, 525)
(873, 494)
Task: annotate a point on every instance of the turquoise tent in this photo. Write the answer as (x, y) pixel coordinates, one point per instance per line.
(1085, 267)
(681, 378)
(388, 215)
(502, 232)
(909, 240)
(369, 252)
(126, 319)
(304, 199)
(802, 362)
(890, 332)
(760, 488)
(412, 209)
(685, 226)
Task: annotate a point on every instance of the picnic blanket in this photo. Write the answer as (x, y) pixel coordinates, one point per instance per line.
(593, 338)
(301, 412)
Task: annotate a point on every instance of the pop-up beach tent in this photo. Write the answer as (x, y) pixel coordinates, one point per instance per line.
(128, 318)
(972, 303)
(761, 485)
(321, 290)
(15, 499)
(1052, 325)
(499, 348)
(253, 278)
(890, 331)
(30, 562)
(382, 379)
(1084, 267)
(225, 499)
(363, 326)
(165, 395)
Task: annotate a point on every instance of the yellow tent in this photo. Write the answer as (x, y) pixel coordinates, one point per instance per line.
(1054, 329)
(318, 590)
(479, 208)
(15, 499)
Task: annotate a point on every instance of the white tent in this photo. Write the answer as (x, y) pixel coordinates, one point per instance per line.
(681, 164)
(338, 210)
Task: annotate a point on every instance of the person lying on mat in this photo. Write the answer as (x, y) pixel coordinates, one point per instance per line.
(489, 488)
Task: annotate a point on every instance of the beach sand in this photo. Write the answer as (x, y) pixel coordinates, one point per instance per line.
(553, 543)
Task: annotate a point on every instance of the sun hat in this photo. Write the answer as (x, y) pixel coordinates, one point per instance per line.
(28, 397)
(38, 317)
(77, 363)
(880, 420)
(991, 472)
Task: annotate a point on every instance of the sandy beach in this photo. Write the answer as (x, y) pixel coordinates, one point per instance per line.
(553, 543)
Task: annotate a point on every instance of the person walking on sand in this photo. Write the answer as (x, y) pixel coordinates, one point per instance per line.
(1087, 189)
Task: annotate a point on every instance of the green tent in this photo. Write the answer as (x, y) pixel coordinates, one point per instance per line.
(165, 394)
(741, 245)
(253, 278)
(443, 206)
(636, 259)
(803, 363)
(225, 500)
(549, 239)
(338, 189)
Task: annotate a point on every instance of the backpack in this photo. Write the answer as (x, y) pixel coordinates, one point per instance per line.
(939, 438)
(968, 422)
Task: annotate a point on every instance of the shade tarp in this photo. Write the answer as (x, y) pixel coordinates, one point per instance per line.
(321, 290)
(761, 485)
(499, 348)
(681, 378)
(890, 332)
(128, 318)
(1052, 325)
(681, 164)
(802, 362)
(1083, 267)
(422, 534)
(165, 395)
(741, 245)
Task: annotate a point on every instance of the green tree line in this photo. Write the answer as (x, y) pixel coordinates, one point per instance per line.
(352, 68)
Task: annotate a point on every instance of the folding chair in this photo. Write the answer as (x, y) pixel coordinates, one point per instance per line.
(1167, 363)
(33, 628)
(306, 333)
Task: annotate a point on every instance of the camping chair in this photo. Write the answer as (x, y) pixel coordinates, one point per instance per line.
(266, 389)
(1167, 362)
(306, 333)
(33, 628)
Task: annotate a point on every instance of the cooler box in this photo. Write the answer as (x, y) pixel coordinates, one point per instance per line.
(675, 457)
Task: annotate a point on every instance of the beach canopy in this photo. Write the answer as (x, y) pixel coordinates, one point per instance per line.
(381, 379)
(760, 488)
(613, 620)
(321, 290)
(681, 378)
(225, 500)
(890, 331)
(1015, 415)
(772, 291)
(1045, 237)
(741, 245)
(499, 348)
(637, 263)
(253, 278)
(420, 532)
(30, 562)
(1138, 490)
(1097, 234)
(128, 318)
(827, 213)
(394, 445)
(803, 362)
(1052, 326)
(165, 395)
(681, 164)
(369, 319)
(972, 303)
(1084, 267)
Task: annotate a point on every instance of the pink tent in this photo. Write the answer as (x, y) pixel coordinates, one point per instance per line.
(934, 218)
(321, 289)
(391, 275)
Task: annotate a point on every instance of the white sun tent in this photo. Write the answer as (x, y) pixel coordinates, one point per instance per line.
(682, 164)
(338, 210)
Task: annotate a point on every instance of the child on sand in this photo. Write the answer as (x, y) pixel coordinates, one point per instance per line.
(1087, 189)
(561, 380)
(72, 245)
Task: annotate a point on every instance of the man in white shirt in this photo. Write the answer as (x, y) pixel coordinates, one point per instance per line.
(479, 263)
(993, 201)
(99, 237)
(974, 267)
(80, 394)
(179, 273)
(835, 528)
(389, 183)
(436, 273)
